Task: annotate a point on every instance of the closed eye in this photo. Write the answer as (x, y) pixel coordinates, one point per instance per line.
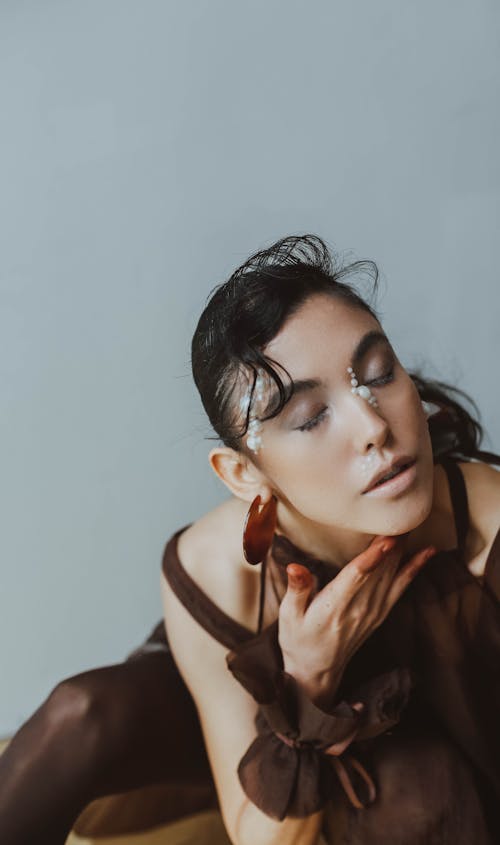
(315, 421)
(386, 379)
(312, 423)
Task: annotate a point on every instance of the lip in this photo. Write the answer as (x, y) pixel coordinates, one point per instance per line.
(398, 483)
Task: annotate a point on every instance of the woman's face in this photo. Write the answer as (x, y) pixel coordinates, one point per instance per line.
(321, 452)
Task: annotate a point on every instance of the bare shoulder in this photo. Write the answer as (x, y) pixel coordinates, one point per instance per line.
(211, 552)
(482, 482)
(483, 492)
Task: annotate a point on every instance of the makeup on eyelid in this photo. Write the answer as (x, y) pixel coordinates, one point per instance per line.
(314, 421)
(371, 346)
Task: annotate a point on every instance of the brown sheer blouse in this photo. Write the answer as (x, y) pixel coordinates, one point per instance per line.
(424, 764)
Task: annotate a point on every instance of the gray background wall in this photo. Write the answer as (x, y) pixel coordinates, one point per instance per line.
(146, 148)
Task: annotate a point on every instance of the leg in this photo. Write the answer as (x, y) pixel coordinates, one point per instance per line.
(45, 770)
(116, 728)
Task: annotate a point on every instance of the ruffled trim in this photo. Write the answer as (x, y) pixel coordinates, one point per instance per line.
(300, 750)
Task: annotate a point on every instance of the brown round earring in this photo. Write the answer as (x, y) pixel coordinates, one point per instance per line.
(258, 531)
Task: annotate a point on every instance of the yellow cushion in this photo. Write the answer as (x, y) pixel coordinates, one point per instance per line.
(200, 829)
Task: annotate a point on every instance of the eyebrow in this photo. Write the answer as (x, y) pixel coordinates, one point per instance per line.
(367, 342)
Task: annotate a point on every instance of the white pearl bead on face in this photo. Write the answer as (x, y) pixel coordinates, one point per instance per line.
(362, 390)
(245, 402)
(369, 461)
(365, 393)
(253, 436)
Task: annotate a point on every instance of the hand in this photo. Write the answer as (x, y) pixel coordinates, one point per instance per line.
(319, 635)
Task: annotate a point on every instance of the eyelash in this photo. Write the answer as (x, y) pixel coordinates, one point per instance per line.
(378, 382)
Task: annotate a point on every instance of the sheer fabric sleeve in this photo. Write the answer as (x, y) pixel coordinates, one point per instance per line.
(301, 749)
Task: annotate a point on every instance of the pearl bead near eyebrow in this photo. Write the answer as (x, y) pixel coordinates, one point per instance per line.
(362, 390)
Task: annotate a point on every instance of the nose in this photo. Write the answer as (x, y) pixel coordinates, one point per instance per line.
(369, 426)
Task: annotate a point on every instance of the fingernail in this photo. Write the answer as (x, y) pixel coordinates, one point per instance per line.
(297, 581)
(387, 544)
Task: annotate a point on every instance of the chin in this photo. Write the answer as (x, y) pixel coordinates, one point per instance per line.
(411, 512)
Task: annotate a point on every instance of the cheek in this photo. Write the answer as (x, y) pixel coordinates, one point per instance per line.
(310, 467)
(309, 482)
(300, 470)
(418, 425)
(415, 413)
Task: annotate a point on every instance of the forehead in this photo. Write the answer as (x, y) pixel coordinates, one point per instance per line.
(323, 330)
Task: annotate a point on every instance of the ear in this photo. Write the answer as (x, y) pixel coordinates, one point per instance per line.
(239, 474)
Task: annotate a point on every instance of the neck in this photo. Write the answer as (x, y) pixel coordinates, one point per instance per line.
(336, 546)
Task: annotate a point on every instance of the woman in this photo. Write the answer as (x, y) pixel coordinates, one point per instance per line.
(382, 631)
(338, 630)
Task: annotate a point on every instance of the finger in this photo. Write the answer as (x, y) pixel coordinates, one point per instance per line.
(344, 588)
(299, 589)
(371, 557)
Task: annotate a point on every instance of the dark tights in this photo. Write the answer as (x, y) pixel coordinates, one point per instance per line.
(130, 726)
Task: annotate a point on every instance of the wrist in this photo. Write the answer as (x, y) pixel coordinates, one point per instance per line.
(320, 687)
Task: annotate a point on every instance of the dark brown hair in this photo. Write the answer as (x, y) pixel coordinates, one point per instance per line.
(247, 311)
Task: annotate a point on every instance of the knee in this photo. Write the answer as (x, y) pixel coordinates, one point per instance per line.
(72, 710)
(70, 701)
(99, 708)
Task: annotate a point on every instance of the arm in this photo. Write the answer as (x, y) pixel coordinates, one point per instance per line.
(290, 678)
(227, 713)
